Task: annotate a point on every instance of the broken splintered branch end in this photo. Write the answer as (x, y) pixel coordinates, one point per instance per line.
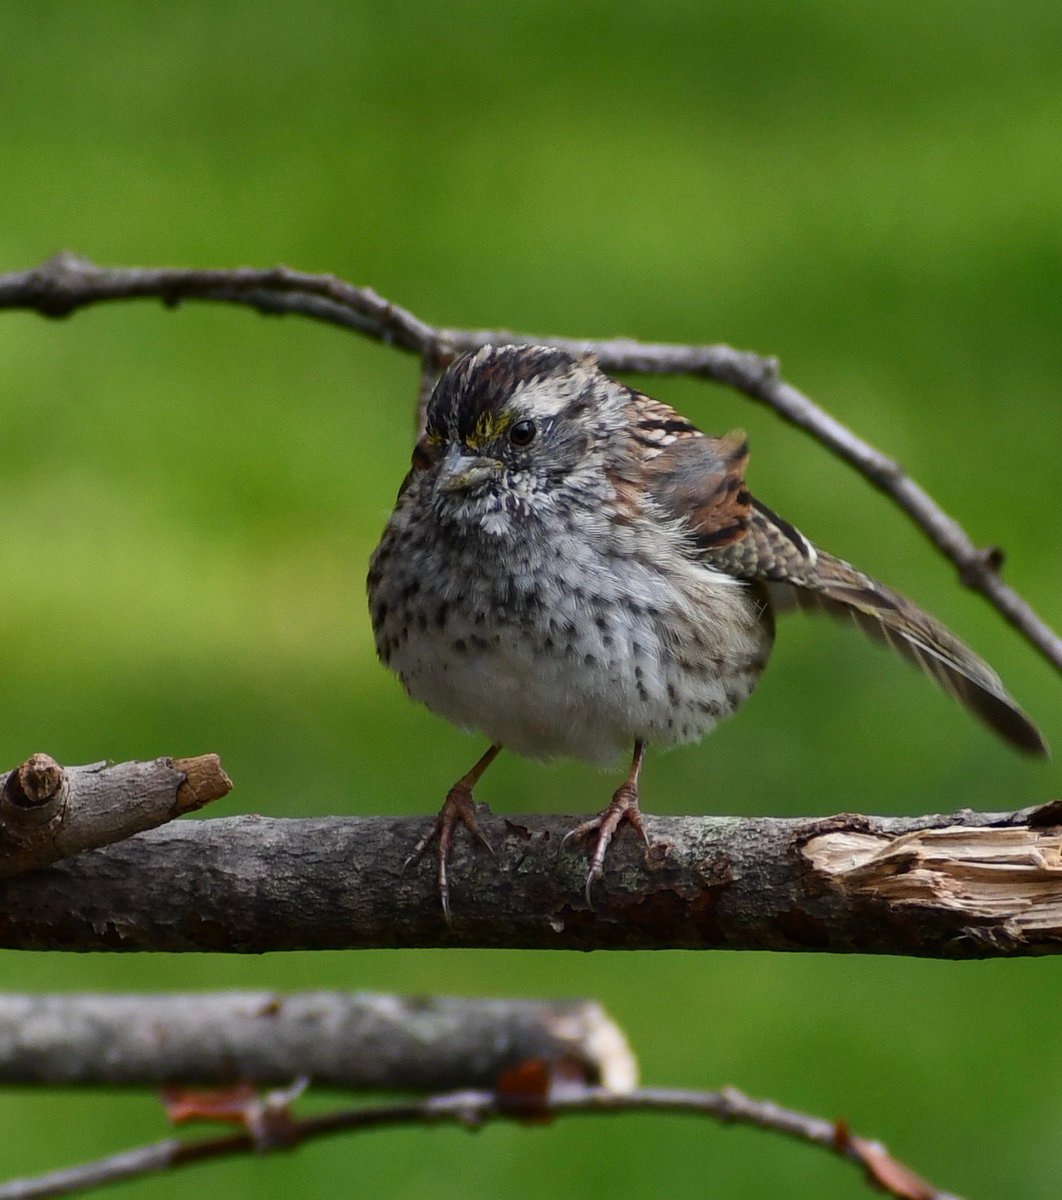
(204, 781)
(32, 794)
(49, 812)
(35, 782)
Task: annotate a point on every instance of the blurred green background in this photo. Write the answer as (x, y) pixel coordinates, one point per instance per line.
(871, 192)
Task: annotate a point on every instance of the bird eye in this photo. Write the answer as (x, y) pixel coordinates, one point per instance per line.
(522, 433)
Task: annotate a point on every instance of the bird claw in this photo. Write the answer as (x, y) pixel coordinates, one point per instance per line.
(622, 807)
(458, 806)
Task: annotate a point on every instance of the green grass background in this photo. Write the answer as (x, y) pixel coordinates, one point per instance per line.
(872, 192)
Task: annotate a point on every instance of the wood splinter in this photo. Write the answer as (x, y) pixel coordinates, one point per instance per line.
(1006, 879)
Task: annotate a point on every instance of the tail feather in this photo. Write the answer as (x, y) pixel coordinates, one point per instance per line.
(771, 550)
(834, 587)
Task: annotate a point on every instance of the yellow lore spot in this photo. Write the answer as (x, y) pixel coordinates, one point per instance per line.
(489, 426)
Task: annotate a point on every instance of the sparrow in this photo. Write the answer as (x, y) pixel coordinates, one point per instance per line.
(574, 569)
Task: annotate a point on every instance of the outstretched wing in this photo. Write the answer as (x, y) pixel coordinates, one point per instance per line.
(703, 480)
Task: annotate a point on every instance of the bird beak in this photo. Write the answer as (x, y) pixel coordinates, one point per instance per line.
(458, 471)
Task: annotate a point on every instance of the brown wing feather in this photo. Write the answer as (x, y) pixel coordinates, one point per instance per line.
(702, 479)
(819, 580)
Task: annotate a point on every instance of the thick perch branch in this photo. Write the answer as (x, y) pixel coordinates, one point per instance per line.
(968, 885)
(346, 1040)
(49, 812)
(66, 283)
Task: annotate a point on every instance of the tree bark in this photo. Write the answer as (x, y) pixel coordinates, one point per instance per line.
(49, 812)
(347, 1040)
(968, 885)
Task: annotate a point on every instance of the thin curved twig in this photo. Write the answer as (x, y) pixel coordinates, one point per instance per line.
(66, 283)
(274, 1129)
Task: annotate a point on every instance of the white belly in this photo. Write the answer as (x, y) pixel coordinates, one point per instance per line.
(593, 670)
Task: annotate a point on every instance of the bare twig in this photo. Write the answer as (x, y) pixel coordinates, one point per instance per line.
(354, 1040)
(49, 812)
(965, 885)
(66, 283)
(473, 1109)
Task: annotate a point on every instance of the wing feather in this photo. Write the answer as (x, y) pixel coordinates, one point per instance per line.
(702, 479)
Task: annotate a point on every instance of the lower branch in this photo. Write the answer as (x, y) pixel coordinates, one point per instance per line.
(271, 1128)
(968, 885)
(346, 1040)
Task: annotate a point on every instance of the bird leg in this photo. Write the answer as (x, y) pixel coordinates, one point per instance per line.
(458, 806)
(622, 807)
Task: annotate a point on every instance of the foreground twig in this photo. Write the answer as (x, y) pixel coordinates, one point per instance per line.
(49, 812)
(966, 885)
(354, 1040)
(473, 1109)
(66, 283)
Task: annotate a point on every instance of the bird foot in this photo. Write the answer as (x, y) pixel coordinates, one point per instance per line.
(622, 807)
(457, 807)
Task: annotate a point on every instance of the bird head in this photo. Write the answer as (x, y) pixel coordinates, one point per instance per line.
(508, 430)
